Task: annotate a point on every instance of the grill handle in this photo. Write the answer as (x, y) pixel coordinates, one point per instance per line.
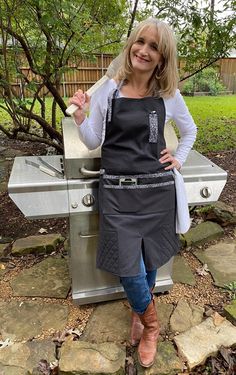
(88, 235)
(88, 173)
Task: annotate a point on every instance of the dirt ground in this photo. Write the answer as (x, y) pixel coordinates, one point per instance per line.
(13, 225)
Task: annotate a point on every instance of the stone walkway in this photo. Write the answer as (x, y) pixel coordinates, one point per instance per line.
(102, 348)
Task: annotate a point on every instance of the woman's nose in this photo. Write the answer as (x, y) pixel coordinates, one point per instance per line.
(144, 50)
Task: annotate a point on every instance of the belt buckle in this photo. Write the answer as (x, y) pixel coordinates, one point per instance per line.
(126, 181)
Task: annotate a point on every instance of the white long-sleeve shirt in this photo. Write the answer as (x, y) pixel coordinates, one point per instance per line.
(92, 129)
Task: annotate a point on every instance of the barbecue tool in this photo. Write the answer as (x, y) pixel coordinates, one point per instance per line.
(46, 168)
(111, 71)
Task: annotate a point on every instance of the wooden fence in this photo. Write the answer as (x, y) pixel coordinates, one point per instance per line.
(91, 71)
(227, 70)
(82, 78)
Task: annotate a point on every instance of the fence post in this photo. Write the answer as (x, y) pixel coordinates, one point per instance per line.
(63, 85)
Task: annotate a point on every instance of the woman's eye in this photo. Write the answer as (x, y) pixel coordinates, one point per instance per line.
(139, 41)
(154, 47)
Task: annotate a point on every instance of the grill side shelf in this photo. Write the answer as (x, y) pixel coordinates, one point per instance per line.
(38, 195)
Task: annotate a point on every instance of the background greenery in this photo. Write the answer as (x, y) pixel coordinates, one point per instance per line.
(216, 120)
(215, 117)
(206, 80)
(52, 37)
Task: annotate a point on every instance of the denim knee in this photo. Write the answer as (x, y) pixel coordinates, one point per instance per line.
(151, 278)
(137, 291)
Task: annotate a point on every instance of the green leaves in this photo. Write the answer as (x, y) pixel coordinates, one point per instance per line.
(204, 32)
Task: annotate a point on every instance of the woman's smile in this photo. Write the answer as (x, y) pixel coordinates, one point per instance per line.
(142, 59)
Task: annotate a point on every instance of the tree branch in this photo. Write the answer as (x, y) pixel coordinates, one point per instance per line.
(200, 69)
(23, 45)
(132, 18)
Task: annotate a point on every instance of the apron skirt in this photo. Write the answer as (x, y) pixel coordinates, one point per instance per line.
(137, 219)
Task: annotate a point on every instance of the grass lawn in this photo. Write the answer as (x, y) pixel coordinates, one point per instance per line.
(215, 117)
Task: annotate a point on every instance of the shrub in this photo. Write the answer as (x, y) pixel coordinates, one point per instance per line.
(205, 81)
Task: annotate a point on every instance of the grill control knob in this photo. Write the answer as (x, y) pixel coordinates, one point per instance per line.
(74, 205)
(205, 192)
(88, 200)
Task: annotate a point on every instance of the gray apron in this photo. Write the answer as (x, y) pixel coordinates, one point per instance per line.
(136, 195)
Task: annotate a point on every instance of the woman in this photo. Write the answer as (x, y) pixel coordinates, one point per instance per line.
(137, 192)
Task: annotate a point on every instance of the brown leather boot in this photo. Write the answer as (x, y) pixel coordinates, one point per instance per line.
(136, 326)
(148, 343)
(136, 329)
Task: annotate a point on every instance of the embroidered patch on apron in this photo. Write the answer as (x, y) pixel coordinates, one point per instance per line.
(153, 127)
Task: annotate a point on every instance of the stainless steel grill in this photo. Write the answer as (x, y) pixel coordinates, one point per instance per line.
(60, 186)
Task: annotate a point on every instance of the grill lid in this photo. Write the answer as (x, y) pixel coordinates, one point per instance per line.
(76, 154)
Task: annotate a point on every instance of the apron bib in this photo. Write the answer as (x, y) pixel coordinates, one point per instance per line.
(136, 195)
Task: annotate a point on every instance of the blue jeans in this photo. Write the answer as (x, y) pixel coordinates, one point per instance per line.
(138, 288)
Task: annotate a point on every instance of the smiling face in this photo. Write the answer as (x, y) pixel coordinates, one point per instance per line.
(144, 54)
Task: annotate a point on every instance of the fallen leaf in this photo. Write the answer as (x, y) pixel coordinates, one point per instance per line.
(2, 267)
(44, 367)
(228, 355)
(54, 364)
(75, 331)
(203, 271)
(60, 337)
(129, 360)
(130, 369)
(43, 230)
(4, 344)
(217, 319)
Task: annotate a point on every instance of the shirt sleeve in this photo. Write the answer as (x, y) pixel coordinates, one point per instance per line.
(91, 131)
(186, 126)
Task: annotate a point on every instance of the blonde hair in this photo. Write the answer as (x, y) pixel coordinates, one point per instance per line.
(164, 80)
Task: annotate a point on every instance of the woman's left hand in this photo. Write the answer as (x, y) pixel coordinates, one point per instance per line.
(168, 158)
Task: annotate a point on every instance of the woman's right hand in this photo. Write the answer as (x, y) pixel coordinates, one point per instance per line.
(82, 101)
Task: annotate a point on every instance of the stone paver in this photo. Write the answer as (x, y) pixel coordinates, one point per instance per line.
(221, 261)
(81, 357)
(164, 311)
(166, 362)
(219, 212)
(203, 232)
(205, 339)
(26, 320)
(109, 322)
(182, 272)
(230, 312)
(44, 244)
(19, 358)
(100, 350)
(185, 316)
(3, 246)
(49, 278)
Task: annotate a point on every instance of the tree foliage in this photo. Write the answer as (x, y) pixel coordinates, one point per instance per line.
(205, 33)
(46, 35)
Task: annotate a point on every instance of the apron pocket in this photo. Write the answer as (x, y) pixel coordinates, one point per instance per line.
(129, 200)
(108, 252)
(116, 201)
